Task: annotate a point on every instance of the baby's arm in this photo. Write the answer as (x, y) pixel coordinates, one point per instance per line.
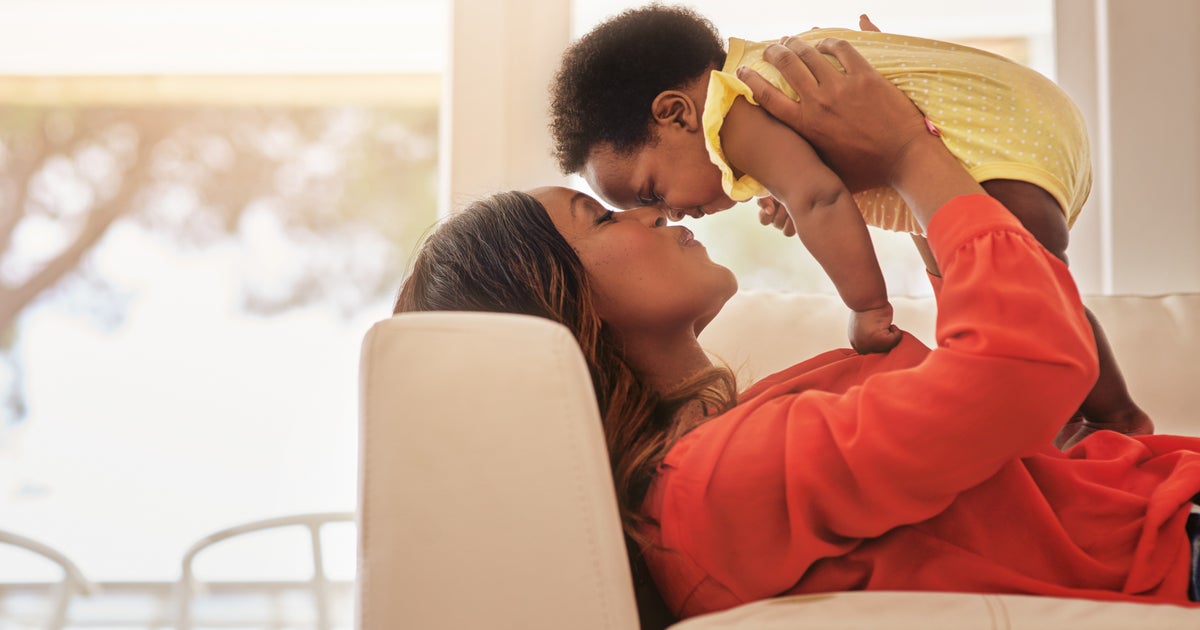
(823, 212)
(771, 212)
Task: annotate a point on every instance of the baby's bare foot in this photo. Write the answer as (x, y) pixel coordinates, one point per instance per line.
(1130, 422)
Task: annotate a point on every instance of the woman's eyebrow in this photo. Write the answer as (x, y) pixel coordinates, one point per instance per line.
(574, 205)
(577, 201)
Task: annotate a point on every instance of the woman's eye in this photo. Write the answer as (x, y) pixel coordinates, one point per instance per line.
(607, 216)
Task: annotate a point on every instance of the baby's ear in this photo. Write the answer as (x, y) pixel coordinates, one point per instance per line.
(675, 108)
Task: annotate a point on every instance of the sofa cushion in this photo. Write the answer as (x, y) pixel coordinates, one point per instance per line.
(1156, 340)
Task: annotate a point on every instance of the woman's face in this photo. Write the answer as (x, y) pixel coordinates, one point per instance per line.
(647, 276)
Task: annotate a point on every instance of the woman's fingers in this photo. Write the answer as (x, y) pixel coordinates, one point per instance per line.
(865, 24)
(846, 54)
(796, 63)
(817, 66)
(790, 65)
(858, 121)
(772, 99)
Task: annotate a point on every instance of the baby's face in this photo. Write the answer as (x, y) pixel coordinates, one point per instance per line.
(673, 174)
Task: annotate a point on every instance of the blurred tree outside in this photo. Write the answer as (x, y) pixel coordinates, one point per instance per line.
(342, 189)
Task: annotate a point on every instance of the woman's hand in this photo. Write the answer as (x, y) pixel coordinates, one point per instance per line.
(858, 121)
(862, 126)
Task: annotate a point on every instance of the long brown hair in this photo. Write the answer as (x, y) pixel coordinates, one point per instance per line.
(504, 254)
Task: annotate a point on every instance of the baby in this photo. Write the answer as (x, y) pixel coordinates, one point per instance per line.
(649, 108)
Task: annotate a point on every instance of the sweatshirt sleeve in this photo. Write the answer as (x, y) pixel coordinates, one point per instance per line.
(755, 497)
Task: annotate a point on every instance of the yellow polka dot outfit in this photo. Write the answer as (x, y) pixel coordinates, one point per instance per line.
(1001, 119)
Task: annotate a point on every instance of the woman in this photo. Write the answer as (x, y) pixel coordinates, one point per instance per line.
(911, 470)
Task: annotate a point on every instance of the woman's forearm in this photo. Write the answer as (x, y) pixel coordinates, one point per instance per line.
(928, 176)
(1015, 358)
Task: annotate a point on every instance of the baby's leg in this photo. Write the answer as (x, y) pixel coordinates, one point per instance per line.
(1108, 405)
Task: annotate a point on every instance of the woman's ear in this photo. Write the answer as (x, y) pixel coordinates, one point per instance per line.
(675, 108)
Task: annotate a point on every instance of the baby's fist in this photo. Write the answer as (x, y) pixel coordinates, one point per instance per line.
(873, 331)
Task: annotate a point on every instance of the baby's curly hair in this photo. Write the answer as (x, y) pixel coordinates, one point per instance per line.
(610, 77)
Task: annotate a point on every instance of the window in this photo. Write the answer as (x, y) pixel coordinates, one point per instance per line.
(206, 205)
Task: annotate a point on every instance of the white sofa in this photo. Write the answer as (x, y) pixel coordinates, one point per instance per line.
(486, 501)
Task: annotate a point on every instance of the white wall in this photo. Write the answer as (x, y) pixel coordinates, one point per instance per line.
(493, 134)
(1132, 67)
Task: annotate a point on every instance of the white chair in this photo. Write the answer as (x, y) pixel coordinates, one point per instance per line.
(72, 583)
(319, 582)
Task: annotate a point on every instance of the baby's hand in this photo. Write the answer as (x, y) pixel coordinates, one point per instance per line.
(772, 212)
(873, 331)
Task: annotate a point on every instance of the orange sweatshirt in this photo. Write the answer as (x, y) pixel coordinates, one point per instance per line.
(930, 469)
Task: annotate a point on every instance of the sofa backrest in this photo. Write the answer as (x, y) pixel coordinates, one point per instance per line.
(1156, 340)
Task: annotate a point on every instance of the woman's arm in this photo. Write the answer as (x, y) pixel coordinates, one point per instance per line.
(875, 135)
(823, 212)
(811, 467)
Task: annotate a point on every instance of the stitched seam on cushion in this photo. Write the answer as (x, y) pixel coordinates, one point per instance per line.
(692, 593)
(368, 386)
(563, 359)
(998, 612)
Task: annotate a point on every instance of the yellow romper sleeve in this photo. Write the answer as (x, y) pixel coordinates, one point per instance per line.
(723, 89)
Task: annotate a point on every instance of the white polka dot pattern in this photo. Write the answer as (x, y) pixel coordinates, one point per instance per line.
(1001, 119)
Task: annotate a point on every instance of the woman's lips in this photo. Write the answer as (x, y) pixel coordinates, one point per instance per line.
(686, 238)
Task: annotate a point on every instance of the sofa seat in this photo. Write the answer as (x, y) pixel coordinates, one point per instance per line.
(877, 610)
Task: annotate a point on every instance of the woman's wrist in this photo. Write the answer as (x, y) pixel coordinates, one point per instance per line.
(927, 176)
